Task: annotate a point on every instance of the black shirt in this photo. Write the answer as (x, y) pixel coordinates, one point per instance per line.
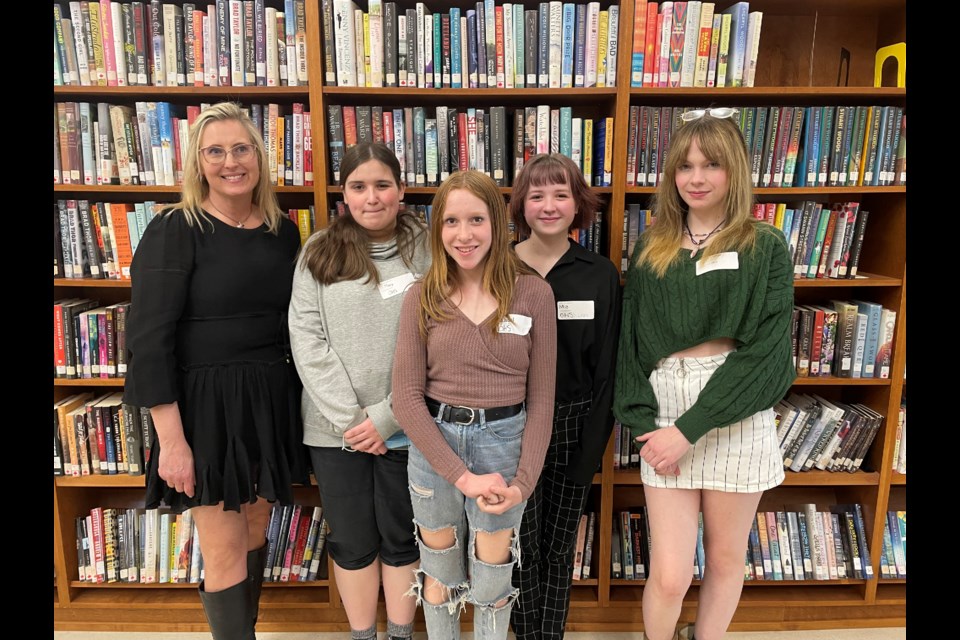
(586, 348)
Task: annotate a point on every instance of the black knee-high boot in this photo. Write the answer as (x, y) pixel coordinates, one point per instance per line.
(256, 559)
(228, 612)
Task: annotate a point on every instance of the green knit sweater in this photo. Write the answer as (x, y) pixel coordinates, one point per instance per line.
(751, 304)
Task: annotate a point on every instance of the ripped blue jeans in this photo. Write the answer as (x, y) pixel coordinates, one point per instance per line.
(487, 447)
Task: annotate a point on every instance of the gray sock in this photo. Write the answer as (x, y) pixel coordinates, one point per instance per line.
(399, 631)
(366, 634)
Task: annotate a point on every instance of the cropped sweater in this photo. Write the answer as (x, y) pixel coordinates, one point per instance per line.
(462, 363)
(752, 304)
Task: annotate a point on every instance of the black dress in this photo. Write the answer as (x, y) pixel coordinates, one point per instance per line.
(208, 329)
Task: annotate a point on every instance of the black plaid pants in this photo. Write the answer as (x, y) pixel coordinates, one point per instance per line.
(548, 533)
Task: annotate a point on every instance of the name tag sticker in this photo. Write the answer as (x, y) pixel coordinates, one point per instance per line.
(516, 324)
(396, 286)
(574, 309)
(725, 260)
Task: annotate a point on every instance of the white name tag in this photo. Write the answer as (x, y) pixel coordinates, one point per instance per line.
(725, 260)
(516, 324)
(575, 310)
(396, 286)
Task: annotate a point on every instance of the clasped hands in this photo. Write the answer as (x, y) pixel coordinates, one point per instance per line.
(490, 491)
(661, 449)
(365, 438)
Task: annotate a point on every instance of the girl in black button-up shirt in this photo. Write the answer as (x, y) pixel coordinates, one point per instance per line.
(550, 197)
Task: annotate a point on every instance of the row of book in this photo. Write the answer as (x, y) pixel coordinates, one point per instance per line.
(788, 146)
(89, 340)
(847, 339)
(145, 546)
(102, 144)
(797, 543)
(226, 43)
(430, 148)
(825, 240)
(689, 44)
(296, 541)
(98, 240)
(556, 45)
(893, 560)
(816, 433)
(100, 435)
(900, 440)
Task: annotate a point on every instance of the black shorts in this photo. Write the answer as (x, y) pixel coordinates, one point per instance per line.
(366, 502)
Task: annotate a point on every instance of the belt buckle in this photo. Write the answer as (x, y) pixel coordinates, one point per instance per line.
(473, 415)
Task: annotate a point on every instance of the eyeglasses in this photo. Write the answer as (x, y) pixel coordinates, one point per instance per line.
(719, 112)
(218, 155)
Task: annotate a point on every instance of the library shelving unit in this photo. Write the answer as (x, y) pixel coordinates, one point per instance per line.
(799, 64)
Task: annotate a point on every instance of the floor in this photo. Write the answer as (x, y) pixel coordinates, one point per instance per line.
(830, 634)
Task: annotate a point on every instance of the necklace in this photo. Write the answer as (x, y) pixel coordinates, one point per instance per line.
(240, 223)
(703, 236)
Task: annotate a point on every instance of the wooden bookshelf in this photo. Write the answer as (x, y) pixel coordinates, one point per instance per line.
(798, 65)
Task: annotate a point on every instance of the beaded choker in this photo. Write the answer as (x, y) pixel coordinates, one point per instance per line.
(703, 236)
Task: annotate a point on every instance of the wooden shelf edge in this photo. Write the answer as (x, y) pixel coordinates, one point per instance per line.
(101, 480)
(433, 190)
(151, 91)
(833, 381)
(898, 478)
(404, 92)
(794, 191)
(89, 382)
(147, 189)
(91, 283)
(821, 93)
(862, 280)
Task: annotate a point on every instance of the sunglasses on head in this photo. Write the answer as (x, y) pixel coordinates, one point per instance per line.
(718, 112)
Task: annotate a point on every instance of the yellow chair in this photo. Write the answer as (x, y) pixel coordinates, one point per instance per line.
(898, 51)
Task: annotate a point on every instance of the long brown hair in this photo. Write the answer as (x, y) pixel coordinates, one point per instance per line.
(501, 265)
(553, 168)
(195, 188)
(341, 252)
(720, 141)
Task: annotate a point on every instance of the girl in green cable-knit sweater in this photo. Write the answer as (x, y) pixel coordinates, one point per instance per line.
(705, 352)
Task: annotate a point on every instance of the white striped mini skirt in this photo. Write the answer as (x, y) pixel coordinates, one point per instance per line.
(741, 458)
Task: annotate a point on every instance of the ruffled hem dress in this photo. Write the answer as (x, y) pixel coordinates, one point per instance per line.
(208, 330)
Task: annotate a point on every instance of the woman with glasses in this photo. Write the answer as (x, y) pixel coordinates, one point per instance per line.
(209, 355)
(344, 313)
(705, 352)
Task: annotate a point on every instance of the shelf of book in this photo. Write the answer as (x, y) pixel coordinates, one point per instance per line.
(797, 66)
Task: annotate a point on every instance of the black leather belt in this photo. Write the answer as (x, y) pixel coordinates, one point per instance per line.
(466, 415)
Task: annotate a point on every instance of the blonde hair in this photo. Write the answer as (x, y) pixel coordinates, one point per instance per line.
(720, 141)
(501, 265)
(195, 188)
